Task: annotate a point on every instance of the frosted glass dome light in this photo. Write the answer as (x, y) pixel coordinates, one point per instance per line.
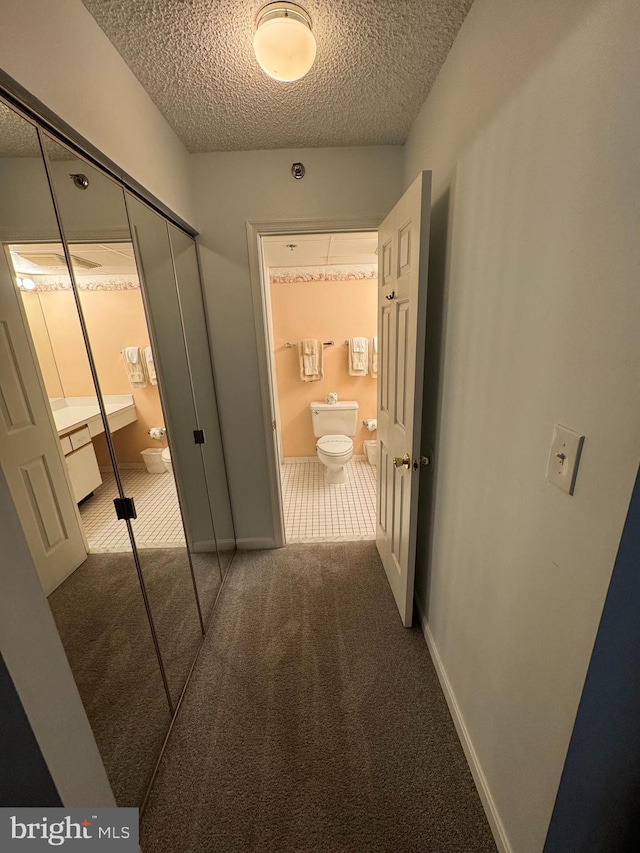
(284, 45)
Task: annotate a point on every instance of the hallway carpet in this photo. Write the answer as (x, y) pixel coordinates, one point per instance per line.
(102, 621)
(313, 722)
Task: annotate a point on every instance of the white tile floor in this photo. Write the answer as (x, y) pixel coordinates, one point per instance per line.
(158, 525)
(315, 511)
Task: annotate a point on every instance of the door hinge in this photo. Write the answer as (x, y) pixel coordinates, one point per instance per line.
(198, 436)
(125, 508)
(273, 425)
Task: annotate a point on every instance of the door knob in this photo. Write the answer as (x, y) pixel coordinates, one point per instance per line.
(399, 461)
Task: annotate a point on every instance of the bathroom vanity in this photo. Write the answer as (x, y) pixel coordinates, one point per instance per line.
(77, 421)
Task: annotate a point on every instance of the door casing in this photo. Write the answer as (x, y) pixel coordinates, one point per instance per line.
(261, 305)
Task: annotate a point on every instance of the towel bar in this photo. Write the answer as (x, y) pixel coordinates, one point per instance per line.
(288, 344)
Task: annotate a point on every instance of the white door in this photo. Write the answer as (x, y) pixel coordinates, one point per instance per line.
(30, 452)
(403, 250)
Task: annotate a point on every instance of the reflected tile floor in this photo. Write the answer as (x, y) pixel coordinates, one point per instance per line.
(158, 525)
(315, 511)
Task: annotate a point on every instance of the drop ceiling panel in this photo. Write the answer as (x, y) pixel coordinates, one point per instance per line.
(376, 63)
(320, 249)
(48, 259)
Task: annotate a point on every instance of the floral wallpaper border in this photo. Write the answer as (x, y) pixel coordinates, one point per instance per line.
(46, 283)
(292, 275)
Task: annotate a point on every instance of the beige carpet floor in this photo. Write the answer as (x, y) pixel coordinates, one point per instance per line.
(313, 722)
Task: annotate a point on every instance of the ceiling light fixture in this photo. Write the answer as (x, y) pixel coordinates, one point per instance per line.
(284, 45)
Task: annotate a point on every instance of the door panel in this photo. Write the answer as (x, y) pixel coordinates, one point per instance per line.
(402, 299)
(194, 327)
(29, 449)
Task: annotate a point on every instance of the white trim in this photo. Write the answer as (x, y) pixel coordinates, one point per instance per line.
(256, 544)
(127, 466)
(291, 460)
(225, 545)
(204, 546)
(488, 803)
(255, 231)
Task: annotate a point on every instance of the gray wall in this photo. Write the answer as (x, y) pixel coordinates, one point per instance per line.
(532, 132)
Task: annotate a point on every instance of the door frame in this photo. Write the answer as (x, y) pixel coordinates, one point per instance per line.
(264, 339)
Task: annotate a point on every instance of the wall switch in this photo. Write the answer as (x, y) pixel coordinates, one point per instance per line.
(566, 448)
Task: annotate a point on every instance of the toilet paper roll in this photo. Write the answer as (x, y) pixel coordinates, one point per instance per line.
(156, 432)
(371, 424)
(332, 398)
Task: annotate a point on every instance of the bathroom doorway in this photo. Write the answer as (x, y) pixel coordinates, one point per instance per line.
(320, 294)
(112, 305)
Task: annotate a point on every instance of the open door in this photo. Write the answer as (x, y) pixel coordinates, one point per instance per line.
(30, 452)
(403, 250)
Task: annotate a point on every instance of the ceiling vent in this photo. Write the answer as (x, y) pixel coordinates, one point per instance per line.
(54, 261)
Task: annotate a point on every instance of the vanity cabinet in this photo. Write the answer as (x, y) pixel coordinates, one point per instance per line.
(80, 456)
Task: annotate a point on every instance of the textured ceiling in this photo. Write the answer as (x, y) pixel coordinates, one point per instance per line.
(18, 138)
(376, 62)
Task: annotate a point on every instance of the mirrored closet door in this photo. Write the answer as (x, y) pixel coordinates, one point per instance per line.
(109, 284)
(52, 425)
(109, 436)
(190, 298)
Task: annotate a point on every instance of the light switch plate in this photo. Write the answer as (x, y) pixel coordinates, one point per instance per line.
(564, 457)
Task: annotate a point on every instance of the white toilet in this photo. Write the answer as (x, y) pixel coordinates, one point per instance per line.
(334, 425)
(166, 459)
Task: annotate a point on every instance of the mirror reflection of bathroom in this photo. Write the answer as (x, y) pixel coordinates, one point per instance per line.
(322, 290)
(112, 304)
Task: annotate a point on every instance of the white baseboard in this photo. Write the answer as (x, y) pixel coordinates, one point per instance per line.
(497, 828)
(255, 544)
(226, 544)
(291, 460)
(125, 466)
(204, 546)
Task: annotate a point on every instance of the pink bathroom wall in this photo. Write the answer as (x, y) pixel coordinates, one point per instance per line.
(326, 310)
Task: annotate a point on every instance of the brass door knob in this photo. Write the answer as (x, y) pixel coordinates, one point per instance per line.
(399, 461)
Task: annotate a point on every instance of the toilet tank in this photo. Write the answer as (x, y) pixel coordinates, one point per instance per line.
(340, 418)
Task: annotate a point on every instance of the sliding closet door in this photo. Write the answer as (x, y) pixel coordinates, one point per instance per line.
(51, 426)
(151, 241)
(109, 290)
(190, 297)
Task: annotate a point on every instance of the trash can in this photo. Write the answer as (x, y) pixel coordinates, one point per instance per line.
(153, 460)
(371, 452)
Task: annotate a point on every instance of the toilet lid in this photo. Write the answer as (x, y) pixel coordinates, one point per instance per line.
(166, 454)
(335, 445)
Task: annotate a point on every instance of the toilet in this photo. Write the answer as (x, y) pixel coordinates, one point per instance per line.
(166, 459)
(334, 425)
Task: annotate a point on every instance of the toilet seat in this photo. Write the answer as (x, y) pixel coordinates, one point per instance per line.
(335, 445)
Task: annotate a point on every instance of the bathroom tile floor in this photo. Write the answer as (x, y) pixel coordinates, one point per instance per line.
(158, 525)
(315, 511)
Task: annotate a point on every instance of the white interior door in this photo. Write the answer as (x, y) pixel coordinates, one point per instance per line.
(30, 452)
(403, 249)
